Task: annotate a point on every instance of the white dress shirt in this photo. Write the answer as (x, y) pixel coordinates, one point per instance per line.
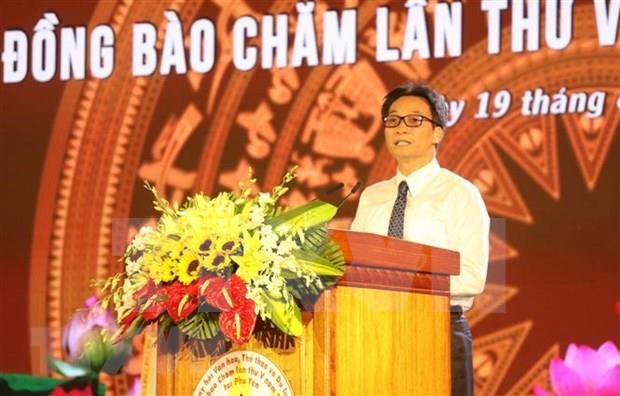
(443, 210)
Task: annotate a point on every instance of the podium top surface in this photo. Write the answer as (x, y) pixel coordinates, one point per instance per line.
(383, 262)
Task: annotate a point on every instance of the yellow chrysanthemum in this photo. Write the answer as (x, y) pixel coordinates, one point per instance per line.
(159, 269)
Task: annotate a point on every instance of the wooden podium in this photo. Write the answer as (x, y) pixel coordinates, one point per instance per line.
(384, 329)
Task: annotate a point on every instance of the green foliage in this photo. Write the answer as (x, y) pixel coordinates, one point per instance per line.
(67, 369)
(311, 214)
(202, 326)
(315, 239)
(317, 263)
(286, 315)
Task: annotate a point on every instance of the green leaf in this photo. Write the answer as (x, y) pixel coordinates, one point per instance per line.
(285, 315)
(309, 215)
(299, 290)
(202, 326)
(67, 369)
(132, 330)
(315, 239)
(333, 252)
(163, 327)
(288, 274)
(316, 263)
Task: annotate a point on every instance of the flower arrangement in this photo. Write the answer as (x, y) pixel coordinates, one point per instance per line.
(585, 371)
(216, 266)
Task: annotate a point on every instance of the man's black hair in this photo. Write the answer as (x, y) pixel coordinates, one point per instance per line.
(436, 101)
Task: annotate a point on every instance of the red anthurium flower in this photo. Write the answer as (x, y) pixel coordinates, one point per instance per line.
(193, 289)
(205, 282)
(226, 294)
(155, 308)
(182, 300)
(127, 319)
(146, 291)
(179, 307)
(213, 293)
(156, 304)
(237, 318)
(237, 324)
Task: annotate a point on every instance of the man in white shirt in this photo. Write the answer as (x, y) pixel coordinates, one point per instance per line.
(427, 204)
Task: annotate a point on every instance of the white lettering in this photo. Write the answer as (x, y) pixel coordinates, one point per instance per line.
(607, 21)
(73, 53)
(102, 51)
(15, 56)
(383, 52)
(448, 29)
(305, 46)
(144, 56)
(528, 25)
(494, 34)
(44, 48)
(173, 52)
(277, 40)
(416, 35)
(339, 44)
(244, 58)
(555, 38)
(202, 47)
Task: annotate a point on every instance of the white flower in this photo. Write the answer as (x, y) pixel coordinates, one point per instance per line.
(268, 239)
(139, 241)
(265, 199)
(145, 229)
(255, 293)
(257, 216)
(286, 246)
(133, 267)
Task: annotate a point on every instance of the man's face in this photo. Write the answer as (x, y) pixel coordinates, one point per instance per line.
(412, 144)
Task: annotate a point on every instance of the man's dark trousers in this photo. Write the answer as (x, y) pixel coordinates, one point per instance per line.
(461, 354)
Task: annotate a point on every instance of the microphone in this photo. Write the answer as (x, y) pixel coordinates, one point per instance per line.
(355, 189)
(333, 189)
(329, 191)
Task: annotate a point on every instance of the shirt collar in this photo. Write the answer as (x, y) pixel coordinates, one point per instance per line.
(419, 178)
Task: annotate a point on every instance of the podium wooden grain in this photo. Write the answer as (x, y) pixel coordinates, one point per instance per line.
(383, 330)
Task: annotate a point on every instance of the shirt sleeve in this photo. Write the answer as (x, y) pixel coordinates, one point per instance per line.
(472, 240)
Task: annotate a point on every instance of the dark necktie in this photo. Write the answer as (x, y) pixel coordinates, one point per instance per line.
(397, 220)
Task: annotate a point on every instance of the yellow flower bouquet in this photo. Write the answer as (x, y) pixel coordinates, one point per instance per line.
(215, 266)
